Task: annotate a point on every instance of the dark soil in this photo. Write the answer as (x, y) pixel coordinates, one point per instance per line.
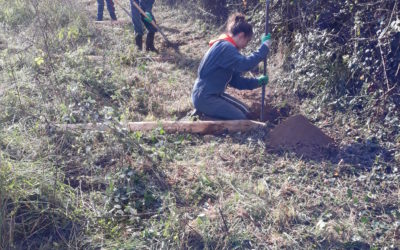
(252, 98)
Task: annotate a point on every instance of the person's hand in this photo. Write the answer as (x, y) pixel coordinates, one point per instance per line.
(149, 17)
(266, 39)
(263, 80)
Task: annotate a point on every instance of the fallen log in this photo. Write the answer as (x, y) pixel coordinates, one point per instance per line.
(193, 127)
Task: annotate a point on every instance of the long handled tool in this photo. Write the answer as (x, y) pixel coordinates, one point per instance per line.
(265, 60)
(144, 14)
(123, 8)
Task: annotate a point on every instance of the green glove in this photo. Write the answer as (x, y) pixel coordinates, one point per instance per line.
(263, 80)
(265, 38)
(149, 17)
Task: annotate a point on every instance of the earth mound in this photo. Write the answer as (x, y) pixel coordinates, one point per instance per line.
(299, 135)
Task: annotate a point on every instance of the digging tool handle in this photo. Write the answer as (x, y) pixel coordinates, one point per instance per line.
(144, 14)
(265, 60)
(122, 7)
(152, 22)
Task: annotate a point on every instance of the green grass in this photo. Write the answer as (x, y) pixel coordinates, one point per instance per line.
(116, 189)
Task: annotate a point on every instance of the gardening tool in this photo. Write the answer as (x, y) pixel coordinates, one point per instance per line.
(144, 14)
(265, 60)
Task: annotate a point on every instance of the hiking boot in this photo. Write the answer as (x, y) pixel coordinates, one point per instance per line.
(139, 41)
(150, 42)
(196, 115)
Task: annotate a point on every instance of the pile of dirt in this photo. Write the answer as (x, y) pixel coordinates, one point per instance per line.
(298, 135)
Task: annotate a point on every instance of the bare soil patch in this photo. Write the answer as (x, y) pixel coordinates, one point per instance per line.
(252, 98)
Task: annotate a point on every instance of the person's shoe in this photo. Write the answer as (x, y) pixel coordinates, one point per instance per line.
(150, 42)
(196, 115)
(139, 41)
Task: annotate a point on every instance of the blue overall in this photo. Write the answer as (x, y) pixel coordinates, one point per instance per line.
(110, 8)
(138, 19)
(220, 66)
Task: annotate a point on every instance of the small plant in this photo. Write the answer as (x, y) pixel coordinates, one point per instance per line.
(131, 194)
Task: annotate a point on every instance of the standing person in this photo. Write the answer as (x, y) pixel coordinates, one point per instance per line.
(110, 8)
(138, 20)
(222, 65)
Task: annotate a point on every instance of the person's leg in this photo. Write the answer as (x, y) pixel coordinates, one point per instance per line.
(219, 107)
(100, 9)
(137, 25)
(150, 42)
(150, 36)
(240, 105)
(149, 26)
(111, 9)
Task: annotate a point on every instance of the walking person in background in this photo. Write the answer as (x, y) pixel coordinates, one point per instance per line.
(222, 65)
(138, 20)
(110, 8)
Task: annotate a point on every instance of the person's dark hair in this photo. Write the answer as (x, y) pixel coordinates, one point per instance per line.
(237, 23)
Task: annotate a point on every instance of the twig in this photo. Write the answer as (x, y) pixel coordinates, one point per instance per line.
(390, 20)
(254, 10)
(234, 188)
(381, 52)
(220, 28)
(226, 229)
(383, 65)
(206, 12)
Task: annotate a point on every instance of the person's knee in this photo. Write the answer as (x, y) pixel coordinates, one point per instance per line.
(240, 116)
(138, 30)
(229, 114)
(150, 28)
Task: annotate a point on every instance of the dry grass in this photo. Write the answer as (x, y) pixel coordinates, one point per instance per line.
(191, 192)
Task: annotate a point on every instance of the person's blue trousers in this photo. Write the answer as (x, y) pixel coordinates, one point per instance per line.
(110, 8)
(138, 21)
(224, 107)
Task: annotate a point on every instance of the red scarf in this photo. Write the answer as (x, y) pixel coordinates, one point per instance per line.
(224, 37)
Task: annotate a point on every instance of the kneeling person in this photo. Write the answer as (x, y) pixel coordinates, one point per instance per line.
(222, 65)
